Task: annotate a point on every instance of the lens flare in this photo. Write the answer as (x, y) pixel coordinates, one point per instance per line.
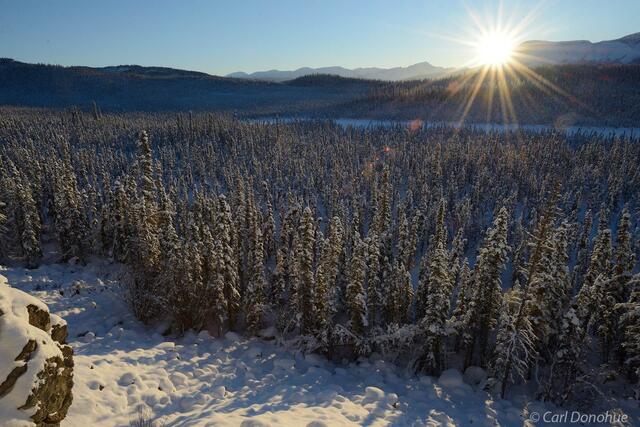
(494, 42)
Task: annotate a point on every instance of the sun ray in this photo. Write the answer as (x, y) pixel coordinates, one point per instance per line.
(506, 91)
(474, 93)
(500, 62)
(491, 95)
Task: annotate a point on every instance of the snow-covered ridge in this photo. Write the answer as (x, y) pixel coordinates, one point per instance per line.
(624, 50)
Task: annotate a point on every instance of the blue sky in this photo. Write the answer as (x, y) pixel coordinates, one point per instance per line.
(221, 36)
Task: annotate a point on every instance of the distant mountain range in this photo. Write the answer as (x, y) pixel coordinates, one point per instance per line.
(422, 70)
(625, 50)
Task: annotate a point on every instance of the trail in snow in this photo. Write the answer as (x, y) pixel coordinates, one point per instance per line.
(122, 366)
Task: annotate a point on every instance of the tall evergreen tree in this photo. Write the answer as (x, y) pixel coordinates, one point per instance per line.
(433, 324)
(492, 259)
(398, 307)
(549, 288)
(254, 300)
(630, 325)
(227, 268)
(567, 362)
(599, 270)
(145, 168)
(355, 298)
(515, 343)
(29, 226)
(373, 280)
(305, 280)
(582, 260)
(462, 309)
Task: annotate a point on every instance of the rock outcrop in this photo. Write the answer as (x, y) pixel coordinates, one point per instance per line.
(36, 365)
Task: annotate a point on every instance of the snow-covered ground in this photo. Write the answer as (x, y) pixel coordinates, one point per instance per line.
(123, 368)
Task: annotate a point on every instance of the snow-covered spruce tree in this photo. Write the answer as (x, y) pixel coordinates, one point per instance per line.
(170, 246)
(304, 279)
(6, 197)
(166, 207)
(373, 283)
(323, 283)
(432, 326)
(13, 225)
(462, 308)
(417, 225)
(337, 239)
(254, 298)
(520, 245)
(438, 239)
(69, 214)
(28, 226)
(561, 272)
(393, 310)
(600, 269)
(119, 225)
(406, 245)
(624, 256)
(355, 299)
(145, 168)
(630, 328)
(250, 216)
(400, 297)
(624, 259)
(269, 223)
(283, 279)
(188, 295)
(582, 257)
(106, 220)
(483, 312)
(548, 291)
(610, 287)
(144, 254)
(440, 233)
(603, 322)
(515, 343)
(213, 281)
(386, 275)
(216, 285)
(381, 220)
(422, 290)
(145, 262)
(567, 362)
(227, 266)
(457, 253)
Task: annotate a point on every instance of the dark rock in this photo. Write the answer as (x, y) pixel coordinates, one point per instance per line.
(38, 317)
(59, 333)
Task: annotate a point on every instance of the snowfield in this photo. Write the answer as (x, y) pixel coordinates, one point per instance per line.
(123, 368)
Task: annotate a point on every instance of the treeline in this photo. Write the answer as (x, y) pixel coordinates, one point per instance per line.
(436, 248)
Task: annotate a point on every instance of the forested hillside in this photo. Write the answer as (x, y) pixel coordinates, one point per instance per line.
(136, 88)
(597, 95)
(436, 248)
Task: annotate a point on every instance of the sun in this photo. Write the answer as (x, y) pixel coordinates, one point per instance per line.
(496, 62)
(495, 49)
